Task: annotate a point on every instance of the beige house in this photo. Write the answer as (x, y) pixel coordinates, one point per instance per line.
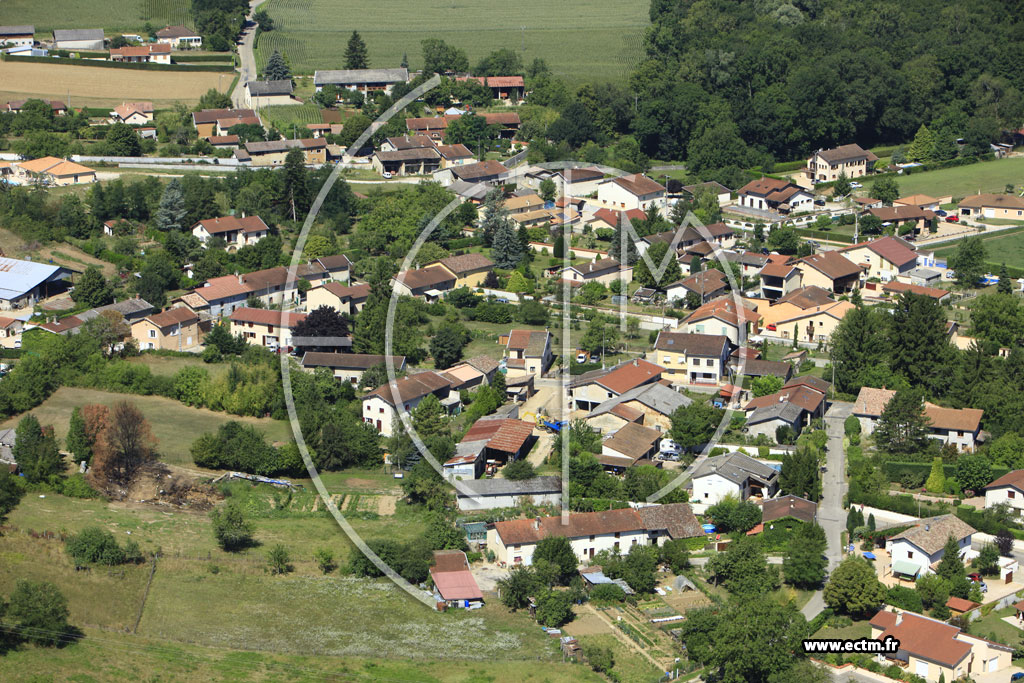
(931, 649)
(723, 317)
(154, 53)
(814, 325)
(829, 270)
(10, 333)
(884, 258)
(779, 280)
(922, 201)
(469, 270)
(265, 327)
(236, 232)
(528, 352)
(176, 329)
(650, 405)
(790, 306)
(132, 113)
(274, 152)
(1007, 206)
(411, 161)
(826, 165)
(349, 367)
(179, 37)
(18, 36)
(430, 283)
(53, 171)
(339, 296)
(206, 120)
(382, 405)
(691, 358)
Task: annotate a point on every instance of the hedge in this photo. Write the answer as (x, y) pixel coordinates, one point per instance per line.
(224, 57)
(10, 353)
(138, 66)
(895, 470)
(905, 504)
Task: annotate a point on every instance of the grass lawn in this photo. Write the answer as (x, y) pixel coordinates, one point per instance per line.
(175, 425)
(858, 629)
(629, 665)
(170, 365)
(115, 657)
(598, 40)
(960, 181)
(1001, 247)
(994, 628)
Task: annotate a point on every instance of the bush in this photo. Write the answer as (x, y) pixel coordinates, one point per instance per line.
(76, 486)
(518, 470)
(607, 592)
(600, 659)
(852, 426)
(325, 560)
(95, 546)
(278, 560)
(230, 528)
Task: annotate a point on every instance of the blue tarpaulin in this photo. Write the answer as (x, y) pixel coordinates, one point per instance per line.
(870, 556)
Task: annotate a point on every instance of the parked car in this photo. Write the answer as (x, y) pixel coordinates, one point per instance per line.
(941, 212)
(953, 219)
(771, 327)
(819, 202)
(855, 185)
(1017, 677)
(581, 357)
(595, 358)
(387, 174)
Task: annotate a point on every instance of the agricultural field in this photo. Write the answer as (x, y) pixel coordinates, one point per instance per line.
(174, 424)
(110, 15)
(960, 181)
(284, 116)
(104, 87)
(595, 40)
(1001, 247)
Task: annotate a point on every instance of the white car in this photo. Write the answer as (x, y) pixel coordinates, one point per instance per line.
(387, 174)
(581, 358)
(855, 185)
(669, 449)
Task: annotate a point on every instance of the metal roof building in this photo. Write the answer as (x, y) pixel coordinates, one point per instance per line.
(22, 283)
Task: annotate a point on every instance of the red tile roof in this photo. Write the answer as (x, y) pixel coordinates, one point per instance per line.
(638, 184)
(890, 248)
(925, 638)
(457, 585)
(900, 287)
(222, 224)
(1014, 479)
(409, 388)
(630, 375)
(173, 316)
(264, 316)
(832, 265)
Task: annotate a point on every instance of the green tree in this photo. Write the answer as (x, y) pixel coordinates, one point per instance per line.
(518, 587)
(601, 336)
(35, 450)
(554, 608)
(743, 568)
(922, 147)
(295, 188)
(356, 56)
(936, 482)
(122, 141)
(324, 559)
(973, 472)
(656, 252)
(600, 658)
(969, 261)
(1005, 284)
(93, 289)
(171, 213)
(951, 569)
(446, 346)
(800, 475)
(784, 240)
(276, 68)
(278, 560)
(548, 190)
(558, 551)
(230, 527)
(77, 441)
(10, 495)
(804, 563)
(39, 612)
(933, 589)
(903, 427)
(506, 250)
(695, 424)
(854, 588)
(441, 58)
(558, 249)
(841, 187)
(519, 470)
(768, 384)
(885, 189)
(630, 256)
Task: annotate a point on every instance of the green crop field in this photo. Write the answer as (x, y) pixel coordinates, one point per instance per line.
(1002, 247)
(284, 116)
(110, 15)
(960, 181)
(597, 40)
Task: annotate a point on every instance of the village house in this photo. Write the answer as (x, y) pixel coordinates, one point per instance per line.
(523, 203)
(363, 80)
(381, 406)
(609, 220)
(56, 106)
(18, 36)
(349, 367)
(10, 333)
(207, 121)
(779, 280)
(571, 182)
(263, 327)
(260, 94)
(917, 550)
(1007, 490)
(179, 37)
(154, 53)
(813, 325)
(935, 650)
(490, 442)
(769, 194)
(650, 405)
(895, 288)
(454, 585)
(632, 444)
(829, 270)
(1005, 206)
(480, 172)
(236, 232)
(884, 258)
(826, 165)
(733, 474)
(78, 39)
(960, 427)
(431, 282)
(723, 317)
(132, 113)
(25, 283)
(790, 306)
(605, 271)
(528, 352)
(345, 299)
(410, 161)
(224, 141)
(397, 144)
(176, 329)
(502, 87)
(274, 152)
(800, 400)
(921, 201)
(219, 296)
(513, 541)
(455, 155)
(912, 217)
(470, 270)
(757, 367)
(53, 171)
(691, 358)
(593, 388)
(707, 285)
(131, 310)
(633, 191)
(789, 507)
(474, 494)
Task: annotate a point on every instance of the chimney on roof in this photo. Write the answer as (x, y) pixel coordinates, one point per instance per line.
(536, 523)
(240, 280)
(636, 362)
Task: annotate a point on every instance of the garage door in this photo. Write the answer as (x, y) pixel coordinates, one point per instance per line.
(992, 664)
(922, 669)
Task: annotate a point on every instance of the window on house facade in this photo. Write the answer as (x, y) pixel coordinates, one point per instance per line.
(1011, 494)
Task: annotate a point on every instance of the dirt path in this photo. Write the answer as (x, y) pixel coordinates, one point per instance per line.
(626, 640)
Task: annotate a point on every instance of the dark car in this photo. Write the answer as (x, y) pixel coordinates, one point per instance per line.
(941, 212)
(819, 202)
(1017, 677)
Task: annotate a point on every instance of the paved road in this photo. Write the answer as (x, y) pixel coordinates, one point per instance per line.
(830, 509)
(246, 59)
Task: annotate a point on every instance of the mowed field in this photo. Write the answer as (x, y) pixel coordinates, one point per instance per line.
(593, 40)
(174, 424)
(110, 15)
(103, 87)
(960, 181)
(1002, 247)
